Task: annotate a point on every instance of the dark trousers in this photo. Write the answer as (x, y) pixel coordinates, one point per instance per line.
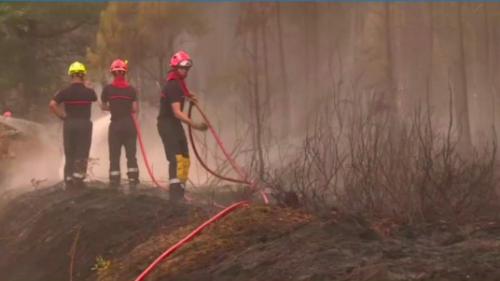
(122, 133)
(77, 137)
(177, 153)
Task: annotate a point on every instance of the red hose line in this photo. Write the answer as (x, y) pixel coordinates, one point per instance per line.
(143, 150)
(221, 145)
(189, 237)
(200, 160)
(238, 169)
(240, 172)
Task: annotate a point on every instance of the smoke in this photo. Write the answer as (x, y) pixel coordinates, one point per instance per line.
(34, 155)
(38, 154)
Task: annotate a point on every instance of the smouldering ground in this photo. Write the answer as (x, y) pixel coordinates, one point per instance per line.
(38, 229)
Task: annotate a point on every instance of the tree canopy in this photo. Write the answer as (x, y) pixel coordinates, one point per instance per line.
(37, 41)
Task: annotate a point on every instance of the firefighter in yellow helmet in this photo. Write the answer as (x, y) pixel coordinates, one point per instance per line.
(77, 127)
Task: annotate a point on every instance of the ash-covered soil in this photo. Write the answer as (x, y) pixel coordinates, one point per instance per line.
(38, 231)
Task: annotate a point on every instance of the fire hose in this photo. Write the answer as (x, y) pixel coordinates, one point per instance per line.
(143, 151)
(200, 159)
(234, 165)
(188, 238)
(244, 176)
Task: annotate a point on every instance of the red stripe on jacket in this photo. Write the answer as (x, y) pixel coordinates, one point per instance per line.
(117, 97)
(77, 102)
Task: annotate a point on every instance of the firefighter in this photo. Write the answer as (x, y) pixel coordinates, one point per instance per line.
(5, 137)
(171, 114)
(7, 113)
(77, 128)
(121, 100)
(6, 133)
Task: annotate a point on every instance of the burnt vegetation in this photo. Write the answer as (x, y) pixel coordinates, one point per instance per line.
(381, 166)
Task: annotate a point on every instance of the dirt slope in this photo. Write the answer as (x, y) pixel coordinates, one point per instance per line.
(38, 229)
(263, 243)
(255, 243)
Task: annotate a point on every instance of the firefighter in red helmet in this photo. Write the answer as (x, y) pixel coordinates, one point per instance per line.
(173, 95)
(121, 100)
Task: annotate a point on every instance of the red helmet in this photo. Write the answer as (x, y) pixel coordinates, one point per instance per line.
(181, 59)
(119, 65)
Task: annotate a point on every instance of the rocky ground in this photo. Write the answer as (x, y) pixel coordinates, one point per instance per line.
(108, 235)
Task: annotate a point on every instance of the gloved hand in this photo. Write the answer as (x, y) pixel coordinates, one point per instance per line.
(193, 99)
(201, 126)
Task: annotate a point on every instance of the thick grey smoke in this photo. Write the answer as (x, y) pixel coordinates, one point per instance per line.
(39, 157)
(35, 155)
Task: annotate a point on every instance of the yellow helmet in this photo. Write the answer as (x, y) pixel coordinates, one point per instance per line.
(77, 67)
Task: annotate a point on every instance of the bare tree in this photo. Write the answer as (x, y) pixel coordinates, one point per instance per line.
(460, 80)
(284, 103)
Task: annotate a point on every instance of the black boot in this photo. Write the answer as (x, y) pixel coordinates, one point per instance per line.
(79, 184)
(114, 181)
(69, 184)
(176, 192)
(133, 183)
